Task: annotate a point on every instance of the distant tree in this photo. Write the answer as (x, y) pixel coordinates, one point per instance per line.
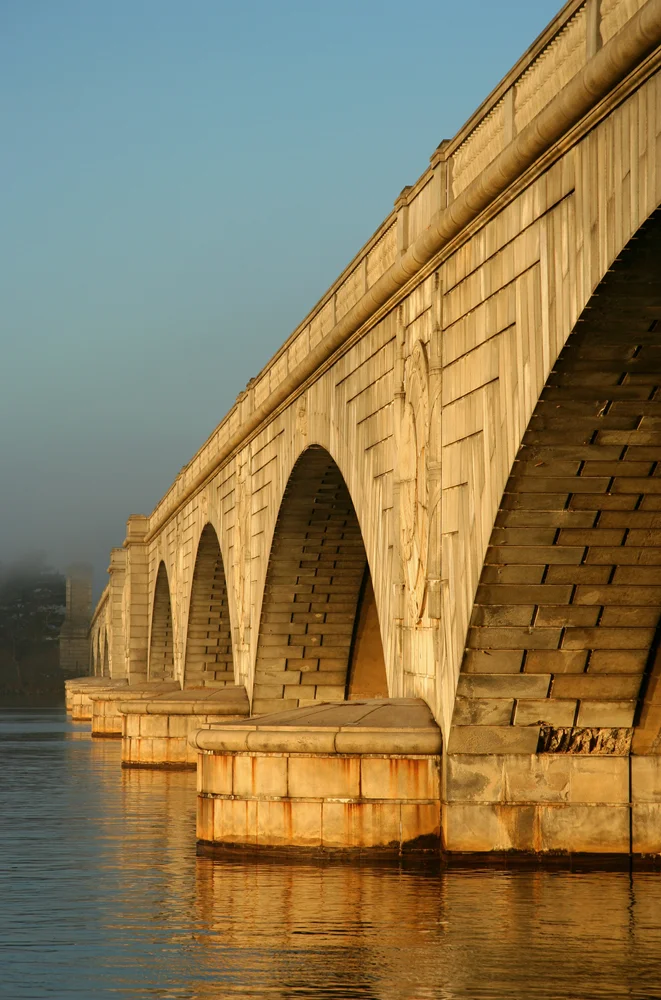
(32, 606)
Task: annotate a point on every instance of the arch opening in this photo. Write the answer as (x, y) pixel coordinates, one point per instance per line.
(570, 592)
(161, 649)
(209, 658)
(105, 668)
(313, 638)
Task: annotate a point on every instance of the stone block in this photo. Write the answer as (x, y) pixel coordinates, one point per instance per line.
(498, 615)
(618, 661)
(264, 706)
(180, 725)
(331, 692)
(646, 779)
(280, 677)
(605, 713)
(259, 776)
(536, 778)
(528, 574)
(267, 692)
(514, 638)
(204, 822)
(493, 739)
(324, 777)
(160, 750)
(556, 661)
(526, 535)
(630, 617)
(598, 780)
(491, 661)
(236, 821)
(548, 711)
(400, 778)
(607, 638)
(420, 825)
(547, 555)
(590, 829)
(646, 828)
(596, 687)
(567, 615)
(595, 536)
(143, 750)
(274, 826)
(507, 686)
(578, 575)
(154, 726)
(306, 824)
(513, 596)
(214, 773)
(291, 740)
(361, 824)
(325, 677)
(485, 827)
(482, 711)
(474, 778)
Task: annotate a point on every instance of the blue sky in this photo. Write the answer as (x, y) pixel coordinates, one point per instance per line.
(181, 181)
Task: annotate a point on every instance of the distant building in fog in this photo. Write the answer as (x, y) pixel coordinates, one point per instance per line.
(74, 639)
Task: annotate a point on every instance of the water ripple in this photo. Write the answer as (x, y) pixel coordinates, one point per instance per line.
(103, 896)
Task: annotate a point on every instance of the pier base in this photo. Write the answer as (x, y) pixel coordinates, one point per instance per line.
(78, 691)
(360, 775)
(155, 731)
(106, 717)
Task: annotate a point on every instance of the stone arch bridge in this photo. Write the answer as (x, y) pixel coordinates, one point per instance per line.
(446, 484)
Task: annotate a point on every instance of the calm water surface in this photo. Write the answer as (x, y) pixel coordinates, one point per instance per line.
(101, 895)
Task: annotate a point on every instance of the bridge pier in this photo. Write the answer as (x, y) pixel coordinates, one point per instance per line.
(106, 717)
(78, 692)
(362, 775)
(155, 730)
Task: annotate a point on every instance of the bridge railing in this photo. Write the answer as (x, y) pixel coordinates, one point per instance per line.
(561, 52)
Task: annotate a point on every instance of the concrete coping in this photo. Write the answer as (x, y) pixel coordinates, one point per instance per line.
(137, 691)
(231, 700)
(379, 725)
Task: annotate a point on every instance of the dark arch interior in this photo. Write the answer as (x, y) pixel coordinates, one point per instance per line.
(209, 659)
(317, 635)
(105, 670)
(161, 654)
(570, 594)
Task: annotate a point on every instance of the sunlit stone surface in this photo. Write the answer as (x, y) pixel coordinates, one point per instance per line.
(353, 776)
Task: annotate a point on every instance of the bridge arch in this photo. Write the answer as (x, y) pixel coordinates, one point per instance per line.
(104, 654)
(96, 653)
(319, 636)
(209, 657)
(161, 646)
(566, 618)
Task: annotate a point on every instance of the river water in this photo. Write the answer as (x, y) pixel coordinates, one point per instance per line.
(102, 895)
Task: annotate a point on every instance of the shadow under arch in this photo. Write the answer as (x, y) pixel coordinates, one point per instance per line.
(161, 649)
(105, 662)
(317, 640)
(570, 592)
(209, 659)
